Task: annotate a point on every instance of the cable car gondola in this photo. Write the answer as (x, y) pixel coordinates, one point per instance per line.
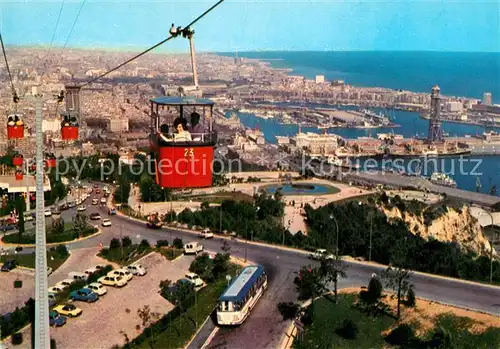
(19, 175)
(17, 160)
(15, 126)
(50, 161)
(183, 141)
(69, 127)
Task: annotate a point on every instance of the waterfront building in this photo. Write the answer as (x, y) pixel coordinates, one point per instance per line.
(487, 98)
(320, 79)
(315, 143)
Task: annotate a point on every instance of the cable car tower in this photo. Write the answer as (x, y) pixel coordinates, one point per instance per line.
(435, 133)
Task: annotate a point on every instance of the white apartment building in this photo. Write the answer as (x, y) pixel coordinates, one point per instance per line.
(118, 125)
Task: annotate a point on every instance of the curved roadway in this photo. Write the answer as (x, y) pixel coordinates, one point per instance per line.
(264, 328)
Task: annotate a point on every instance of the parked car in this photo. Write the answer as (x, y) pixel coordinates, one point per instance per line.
(116, 281)
(95, 216)
(103, 200)
(106, 222)
(9, 265)
(47, 213)
(56, 320)
(137, 269)
(77, 276)
(84, 294)
(68, 310)
(320, 254)
(66, 282)
(206, 234)
(95, 201)
(90, 271)
(98, 191)
(71, 204)
(57, 289)
(97, 288)
(122, 273)
(194, 279)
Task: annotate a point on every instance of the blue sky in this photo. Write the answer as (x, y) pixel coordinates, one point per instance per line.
(409, 25)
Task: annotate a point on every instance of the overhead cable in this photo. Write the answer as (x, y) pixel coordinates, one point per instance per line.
(14, 93)
(152, 47)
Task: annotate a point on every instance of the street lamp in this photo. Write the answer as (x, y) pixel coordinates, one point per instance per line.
(337, 236)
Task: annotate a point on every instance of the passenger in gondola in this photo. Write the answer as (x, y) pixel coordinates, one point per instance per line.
(181, 133)
(165, 136)
(196, 127)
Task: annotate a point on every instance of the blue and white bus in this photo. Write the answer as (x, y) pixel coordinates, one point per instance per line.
(241, 295)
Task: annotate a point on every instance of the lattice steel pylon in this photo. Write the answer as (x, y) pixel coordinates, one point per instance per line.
(42, 335)
(435, 133)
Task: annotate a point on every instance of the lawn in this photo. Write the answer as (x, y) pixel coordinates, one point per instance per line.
(178, 329)
(54, 260)
(329, 318)
(219, 197)
(29, 238)
(126, 255)
(425, 320)
(170, 253)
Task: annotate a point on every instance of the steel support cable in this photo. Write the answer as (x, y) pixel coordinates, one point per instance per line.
(14, 93)
(152, 47)
(55, 31)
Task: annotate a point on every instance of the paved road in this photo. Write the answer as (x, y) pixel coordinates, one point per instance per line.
(264, 327)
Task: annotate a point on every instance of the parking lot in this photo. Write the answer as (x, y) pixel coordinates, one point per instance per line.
(102, 322)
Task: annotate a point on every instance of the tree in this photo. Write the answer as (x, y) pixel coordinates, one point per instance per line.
(203, 266)
(375, 289)
(399, 280)
(309, 283)
(58, 226)
(20, 206)
(331, 270)
(411, 300)
(122, 193)
(148, 318)
(80, 223)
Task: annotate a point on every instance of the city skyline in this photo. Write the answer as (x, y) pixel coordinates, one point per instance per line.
(351, 26)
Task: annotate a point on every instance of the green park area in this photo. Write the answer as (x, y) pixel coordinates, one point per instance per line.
(56, 256)
(351, 324)
(192, 307)
(124, 252)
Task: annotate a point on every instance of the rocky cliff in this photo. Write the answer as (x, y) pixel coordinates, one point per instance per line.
(448, 225)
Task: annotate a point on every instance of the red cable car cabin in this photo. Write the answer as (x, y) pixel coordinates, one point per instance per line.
(69, 128)
(17, 160)
(15, 126)
(19, 175)
(183, 140)
(50, 161)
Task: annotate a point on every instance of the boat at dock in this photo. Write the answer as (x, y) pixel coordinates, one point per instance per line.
(439, 178)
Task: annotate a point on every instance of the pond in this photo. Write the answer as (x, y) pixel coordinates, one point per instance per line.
(302, 189)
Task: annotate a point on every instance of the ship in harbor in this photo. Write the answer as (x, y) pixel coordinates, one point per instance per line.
(439, 178)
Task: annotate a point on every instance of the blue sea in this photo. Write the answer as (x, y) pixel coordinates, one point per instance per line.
(458, 74)
(466, 74)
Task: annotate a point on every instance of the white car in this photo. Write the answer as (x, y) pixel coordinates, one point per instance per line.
(66, 282)
(206, 234)
(28, 217)
(103, 200)
(95, 201)
(57, 289)
(116, 281)
(137, 269)
(97, 288)
(106, 222)
(122, 273)
(47, 213)
(81, 208)
(194, 279)
(321, 253)
(90, 271)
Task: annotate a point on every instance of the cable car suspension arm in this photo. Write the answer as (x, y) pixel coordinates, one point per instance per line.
(153, 47)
